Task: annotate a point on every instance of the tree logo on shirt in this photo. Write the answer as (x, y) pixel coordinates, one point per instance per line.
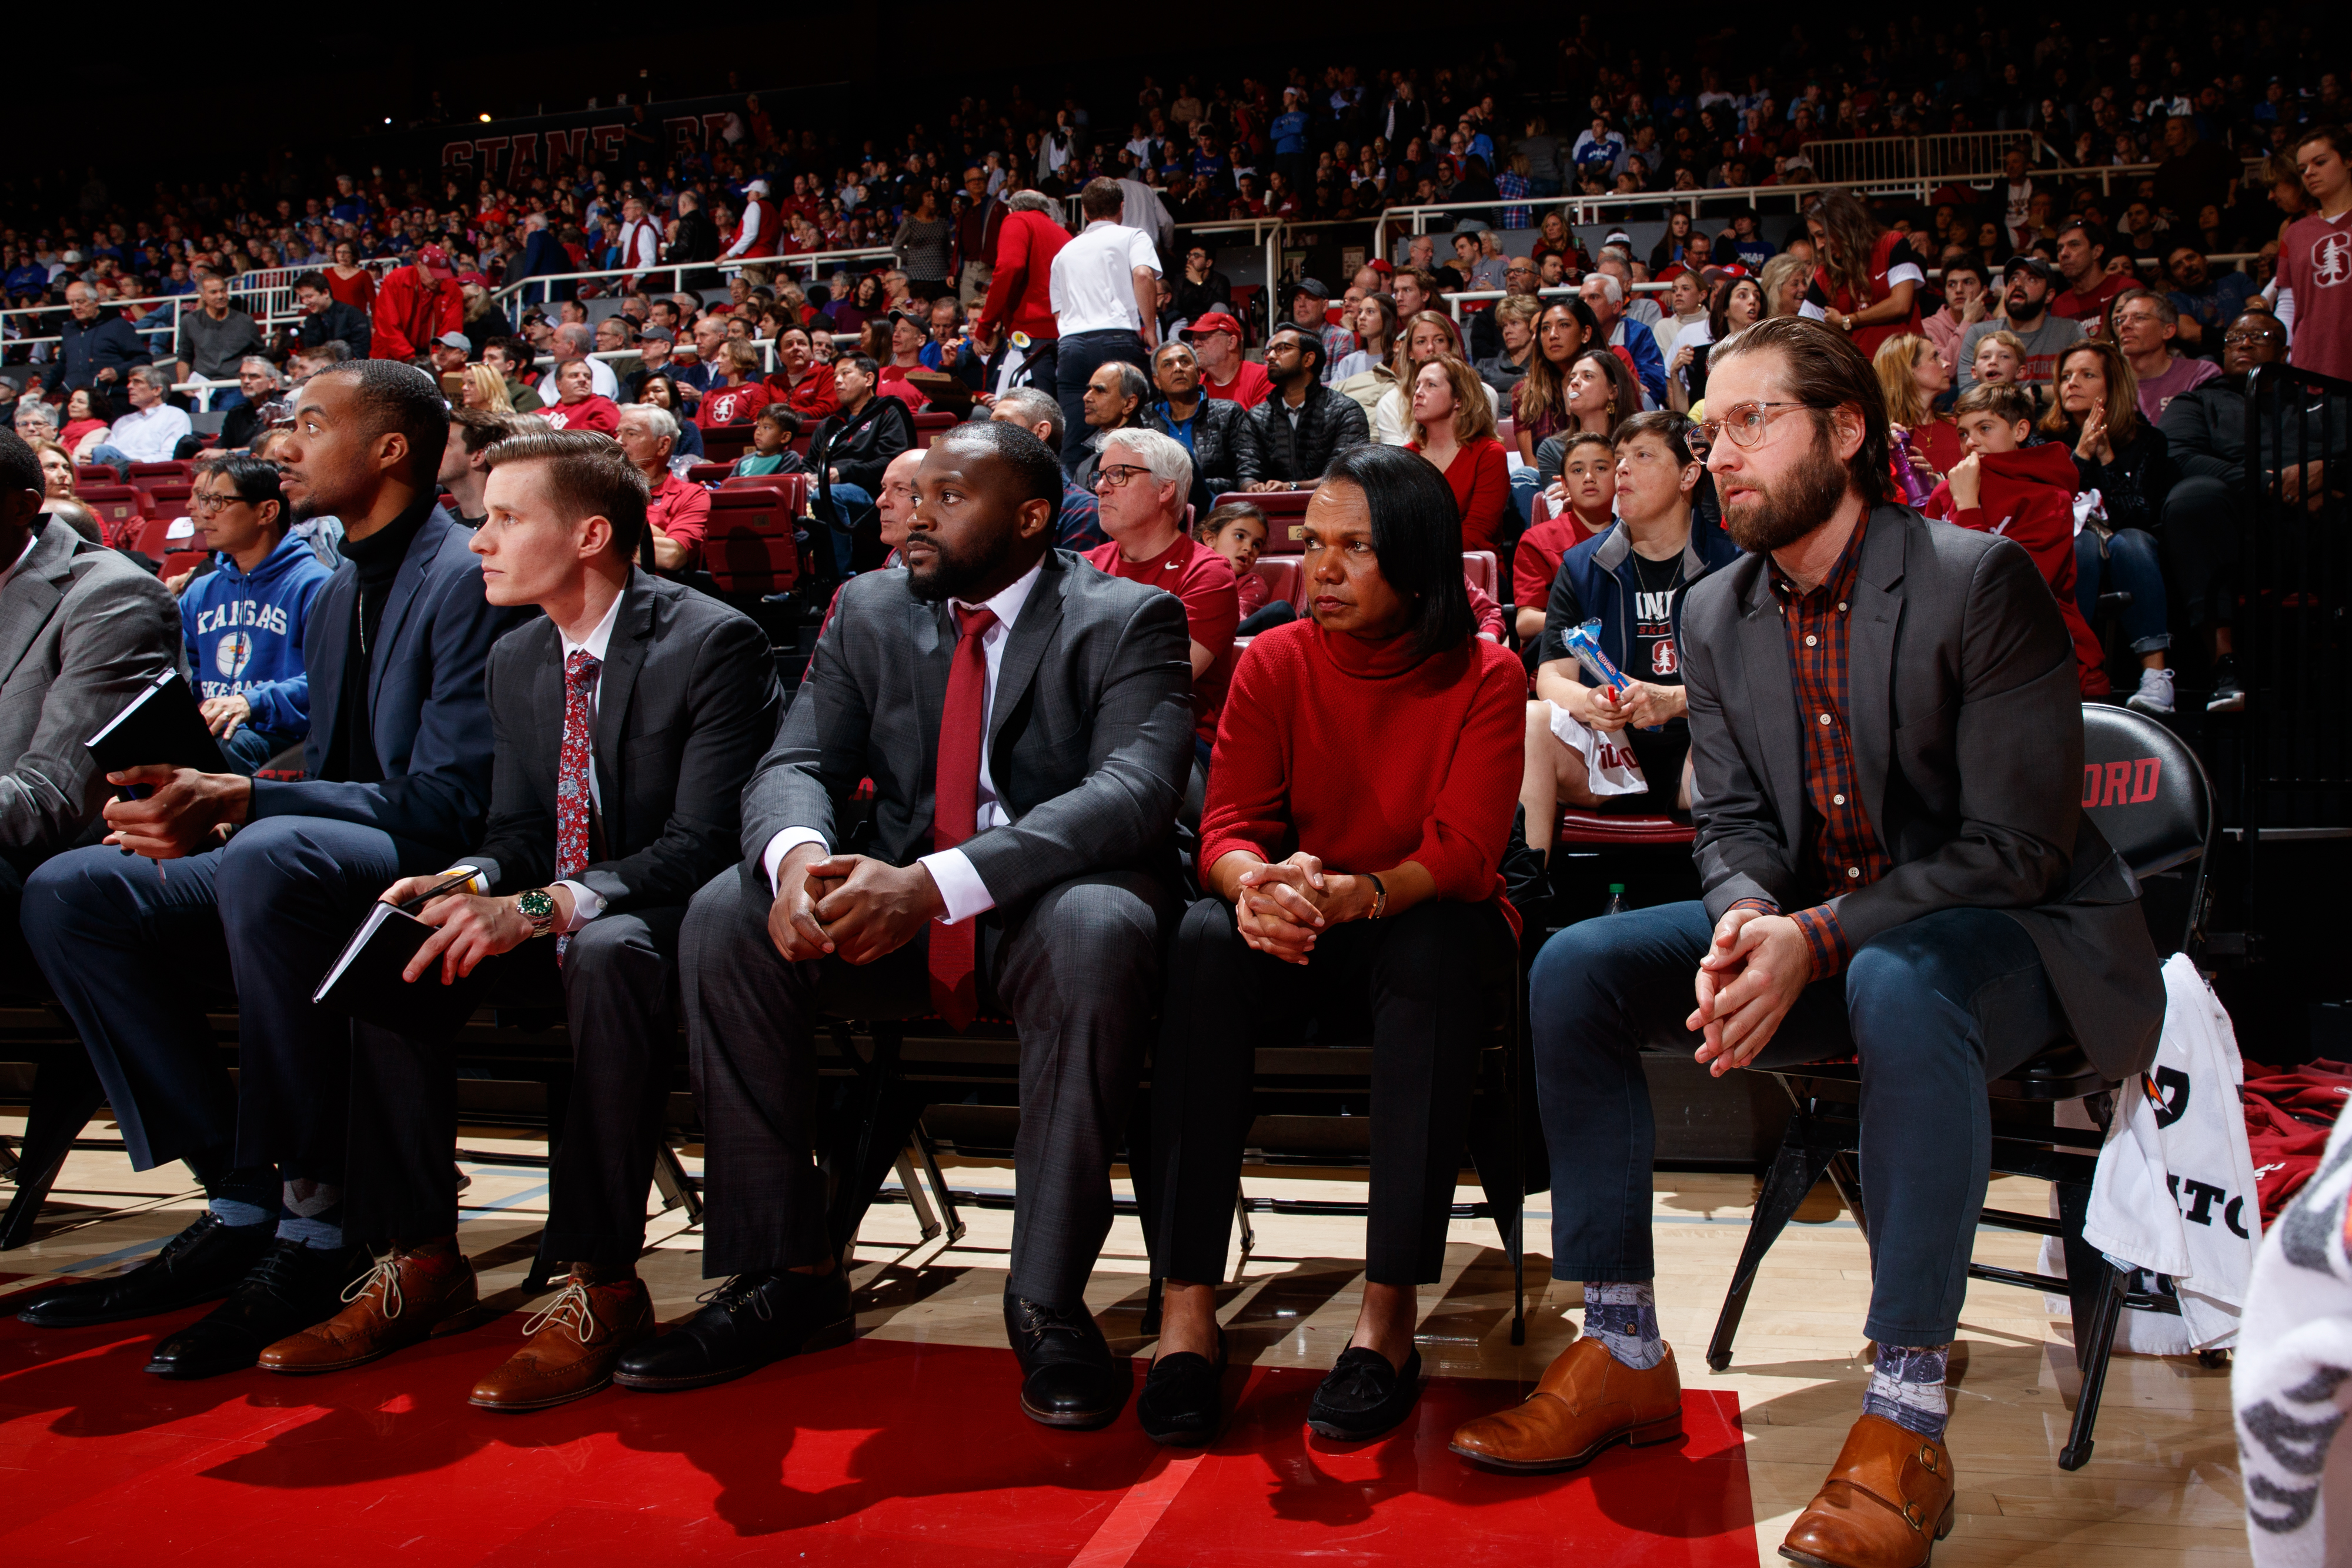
(233, 654)
(1663, 660)
(2331, 259)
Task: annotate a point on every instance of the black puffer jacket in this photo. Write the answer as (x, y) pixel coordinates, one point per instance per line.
(1328, 422)
(1224, 449)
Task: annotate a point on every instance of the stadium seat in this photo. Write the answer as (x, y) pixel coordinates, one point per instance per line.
(159, 536)
(119, 508)
(709, 473)
(1283, 579)
(147, 476)
(1480, 569)
(750, 545)
(928, 427)
(726, 442)
(167, 497)
(1284, 511)
(96, 473)
(1506, 431)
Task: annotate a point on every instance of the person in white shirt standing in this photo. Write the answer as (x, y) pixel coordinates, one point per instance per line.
(1105, 287)
(151, 430)
(640, 245)
(756, 234)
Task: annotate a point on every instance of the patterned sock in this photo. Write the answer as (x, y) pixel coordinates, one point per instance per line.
(247, 1195)
(1624, 1316)
(312, 1213)
(1906, 1387)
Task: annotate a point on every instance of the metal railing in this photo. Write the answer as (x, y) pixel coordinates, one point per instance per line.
(1951, 155)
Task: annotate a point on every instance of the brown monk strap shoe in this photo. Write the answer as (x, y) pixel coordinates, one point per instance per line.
(407, 1297)
(571, 1344)
(1887, 1503)
(1588, 1400)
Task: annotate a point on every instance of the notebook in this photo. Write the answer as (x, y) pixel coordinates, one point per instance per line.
(364, 982)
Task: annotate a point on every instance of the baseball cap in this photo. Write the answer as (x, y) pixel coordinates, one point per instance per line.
(1313, 286)
(476, 278)
(1618, 236)
(920, 318)
(434, 259)
(1213, 321)
(2028, 263)
(659, 334)
(756, 188)
(457, 340)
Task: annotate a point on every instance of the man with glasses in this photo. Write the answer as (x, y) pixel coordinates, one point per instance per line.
(1294, 432)
(1143, 483)
(1520, 276)
(151, 431)
(243, 623)
(1937, 906)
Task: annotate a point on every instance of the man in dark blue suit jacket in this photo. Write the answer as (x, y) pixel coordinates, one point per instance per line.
(396, 783)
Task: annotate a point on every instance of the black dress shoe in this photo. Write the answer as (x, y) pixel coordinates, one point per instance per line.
(292, 1288)
(1364, 1395)
(1069, 1377)
(202, 1263)
(749, 1320)
(1182, 1404)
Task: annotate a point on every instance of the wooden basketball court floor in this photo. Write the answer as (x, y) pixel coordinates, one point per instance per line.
(907, 1445)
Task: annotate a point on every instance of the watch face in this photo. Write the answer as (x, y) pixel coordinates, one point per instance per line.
(536, 904)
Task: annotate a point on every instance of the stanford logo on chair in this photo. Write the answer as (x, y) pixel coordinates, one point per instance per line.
(2129, 782)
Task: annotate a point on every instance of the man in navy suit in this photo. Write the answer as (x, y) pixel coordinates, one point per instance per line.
(396, 782)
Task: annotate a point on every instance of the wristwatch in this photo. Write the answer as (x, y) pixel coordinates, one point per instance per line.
(538, 906)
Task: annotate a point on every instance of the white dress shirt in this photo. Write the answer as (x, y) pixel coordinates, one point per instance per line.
(640, 244)
(1093, 279)
(148, 434)
(961, 889)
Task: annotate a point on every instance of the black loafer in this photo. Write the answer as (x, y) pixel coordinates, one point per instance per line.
(202, 1263)
(1068, 1376)
(750, 1321)
(1183, 1400)
(1364, 1395)
(291, 1289)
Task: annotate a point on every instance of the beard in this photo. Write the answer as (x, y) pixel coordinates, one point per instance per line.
(954, 574)
(1792, 508)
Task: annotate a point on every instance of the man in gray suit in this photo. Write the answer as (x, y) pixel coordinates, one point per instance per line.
(1026, 723)
(628, 719)
(396, 775)
(81, 631)
(1888, 751)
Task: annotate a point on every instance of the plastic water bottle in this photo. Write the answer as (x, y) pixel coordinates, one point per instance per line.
(1616, 904)
(1915, 488)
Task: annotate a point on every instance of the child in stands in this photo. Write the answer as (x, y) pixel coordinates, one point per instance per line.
(2010, 485)
(772, 445)
(1237, 530)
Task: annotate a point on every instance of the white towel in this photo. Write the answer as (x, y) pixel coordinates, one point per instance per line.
(1610, 767)
(2293, 1382)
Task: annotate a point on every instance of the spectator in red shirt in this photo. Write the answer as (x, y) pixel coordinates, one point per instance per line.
(910, 330)
(2082, 263)
(577, 405)
(1582, 505)
(1144, 481)
(678, 511)
(1453, 430)
(347, 280)
(739, 399)
(802, 384)
(1357, 814)
(1020, 284)
(414, 305)
(1216, 339)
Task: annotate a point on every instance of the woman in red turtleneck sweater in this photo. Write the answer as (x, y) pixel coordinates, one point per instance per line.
(1454, 429)
(1362, 792)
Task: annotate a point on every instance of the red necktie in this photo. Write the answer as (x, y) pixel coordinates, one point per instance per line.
(955, 805)
(573, 800)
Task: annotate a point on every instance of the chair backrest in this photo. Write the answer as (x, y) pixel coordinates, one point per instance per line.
(96, 473)
(117, 506)
(1282, 578)
(1506, 431)
(171, 468)
(1539, 510)
(1480, 567)
(161, 536)
(724, 443)
(2151, 800)
(929, 427)
(791, 489)
(749, 546)
(707, 473)
(1283, 509)
(167, 497)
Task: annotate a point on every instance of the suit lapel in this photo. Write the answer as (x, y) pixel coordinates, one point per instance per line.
(1024, 647)
(928, 634)
(33, 595)
(1870, 663)
(625, 655)
(404, 584)
(328, 650)
(1771, 701)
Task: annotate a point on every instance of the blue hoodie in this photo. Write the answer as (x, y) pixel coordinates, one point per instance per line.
(244, 633)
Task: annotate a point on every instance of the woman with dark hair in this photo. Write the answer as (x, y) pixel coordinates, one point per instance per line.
(922, 243)
(660, 390)
(1359, 803)
(1669, 250)
(348, 281)
(1737, 304)
(1869, 277)
(1539, 403)
(1601, 392)
(863, 305)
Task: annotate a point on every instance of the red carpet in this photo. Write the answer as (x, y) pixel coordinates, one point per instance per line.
(878, 1454)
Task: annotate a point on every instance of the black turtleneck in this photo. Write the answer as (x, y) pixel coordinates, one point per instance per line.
(351, 751)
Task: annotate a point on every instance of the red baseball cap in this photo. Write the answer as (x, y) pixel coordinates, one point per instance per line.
(1214, 321)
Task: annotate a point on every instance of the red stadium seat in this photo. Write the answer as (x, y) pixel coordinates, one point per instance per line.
(749, 545)
(1284, 511)
(707, 473)
(800, 442)
(1480, 569)
(167, 497)
(120, 510)
(146, 474)
(928, 426)
(1506, 431)
(726, 442)
(791, 487)
(1283, 579)
(1592, 828)
(96, 473)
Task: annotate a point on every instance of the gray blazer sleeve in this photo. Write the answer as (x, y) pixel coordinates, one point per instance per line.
(819, 753)
(1139, 758)
(1737, 844)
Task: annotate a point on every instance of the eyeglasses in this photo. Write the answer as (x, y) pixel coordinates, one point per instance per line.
(207, 504)
(1743, 422)
(1117, 474)
(2248, 339)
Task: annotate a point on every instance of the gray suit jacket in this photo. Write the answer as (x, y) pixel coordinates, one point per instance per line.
(82, 630)
(1968, 744)
(1089, 736)
(688, 701)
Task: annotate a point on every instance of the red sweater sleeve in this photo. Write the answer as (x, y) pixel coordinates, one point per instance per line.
(1490, 493)
(1531, 574)
(1010, 276)
(1249, 772)
(1462, 843)
(1485, 611)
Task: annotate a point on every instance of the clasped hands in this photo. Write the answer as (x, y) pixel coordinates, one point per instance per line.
(1282, 907)
(1755, 969)
(854, 906)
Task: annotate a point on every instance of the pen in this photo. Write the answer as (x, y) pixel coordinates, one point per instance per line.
(461, 880)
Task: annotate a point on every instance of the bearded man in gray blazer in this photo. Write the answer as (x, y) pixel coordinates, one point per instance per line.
(1025, 722)
(1887, 751)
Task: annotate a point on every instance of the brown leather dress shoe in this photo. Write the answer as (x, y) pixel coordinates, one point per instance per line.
(407, 1298)
(571, 1346)
(1588, 1400)
(1887, 1503)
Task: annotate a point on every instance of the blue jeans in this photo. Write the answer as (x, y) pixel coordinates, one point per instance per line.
(250, 750)
(842, 509)
(107, 452)
(1933, 1009)
(1526, 484)
(2129, 565)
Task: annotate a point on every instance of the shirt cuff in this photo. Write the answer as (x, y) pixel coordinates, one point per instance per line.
(1826, 937)
(1761, 905)
(586, 904)
(482, 883)
(786, 841)
(960, 886)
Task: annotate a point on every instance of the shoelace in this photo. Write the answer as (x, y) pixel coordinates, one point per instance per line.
(1038, 1319)
(205, 1223)
(570, 1305)
(738, 1291)
(386, 1274)
(277, 1272)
